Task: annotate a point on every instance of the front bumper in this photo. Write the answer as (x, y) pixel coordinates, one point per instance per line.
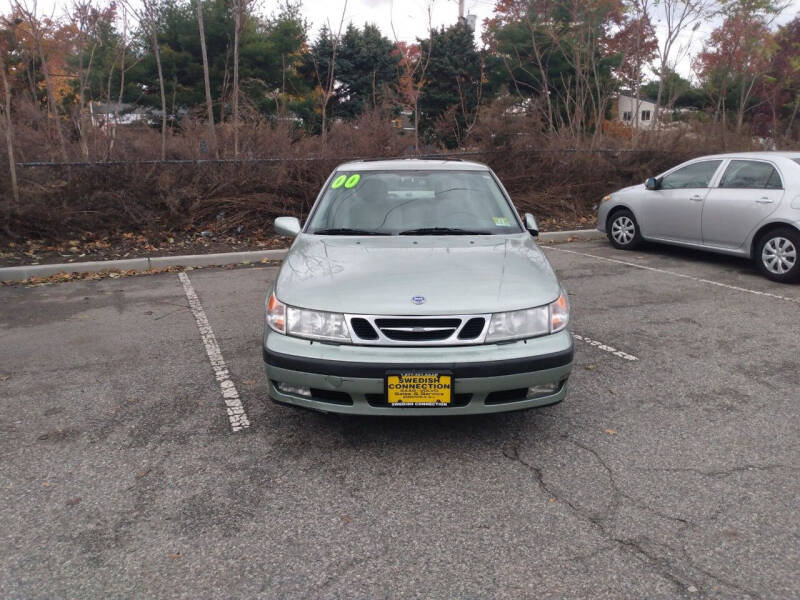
(350, 379)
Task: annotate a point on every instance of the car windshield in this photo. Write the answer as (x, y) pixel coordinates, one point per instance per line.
(413, 203)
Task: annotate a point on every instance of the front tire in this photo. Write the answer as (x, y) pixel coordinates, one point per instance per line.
(623, 230)
(777, 255)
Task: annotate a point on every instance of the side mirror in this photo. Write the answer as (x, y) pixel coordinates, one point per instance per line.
(288, 226)
(530, 225)
(652, 183)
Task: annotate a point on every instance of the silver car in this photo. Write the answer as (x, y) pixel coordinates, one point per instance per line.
(744, 204)
(415, 288)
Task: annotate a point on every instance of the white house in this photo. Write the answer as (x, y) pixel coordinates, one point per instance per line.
(636, 112)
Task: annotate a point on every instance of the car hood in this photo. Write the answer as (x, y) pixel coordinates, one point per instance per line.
(381, 275)
(631, 188)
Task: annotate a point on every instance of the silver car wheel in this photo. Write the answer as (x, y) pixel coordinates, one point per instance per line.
(623, 230)
(779, 255)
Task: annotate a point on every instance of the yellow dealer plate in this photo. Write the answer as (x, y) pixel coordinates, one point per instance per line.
(419, 389)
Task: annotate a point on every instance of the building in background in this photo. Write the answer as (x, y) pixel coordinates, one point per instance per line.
(634, 112)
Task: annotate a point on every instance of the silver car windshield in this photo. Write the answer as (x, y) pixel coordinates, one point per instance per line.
(413, 203)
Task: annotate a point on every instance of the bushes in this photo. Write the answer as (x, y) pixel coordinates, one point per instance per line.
(551, 176)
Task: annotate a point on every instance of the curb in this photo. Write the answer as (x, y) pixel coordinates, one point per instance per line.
(207, 260)
(138, 264)
(574, 234)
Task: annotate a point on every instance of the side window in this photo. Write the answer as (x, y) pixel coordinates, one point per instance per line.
(751, 174)
(645, 115)
(696, 175)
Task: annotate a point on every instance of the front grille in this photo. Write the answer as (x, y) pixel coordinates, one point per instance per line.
(472, 329)
(363, 329)
(380, 330)
(379, 400)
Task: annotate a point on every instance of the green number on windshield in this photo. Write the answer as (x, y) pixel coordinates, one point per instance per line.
(352, 181)
(339, 182)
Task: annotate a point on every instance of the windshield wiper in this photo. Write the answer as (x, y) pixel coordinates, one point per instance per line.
(348, 231)
(442, 231)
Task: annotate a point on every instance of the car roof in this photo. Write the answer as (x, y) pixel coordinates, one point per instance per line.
(412, 164)
(763, 154)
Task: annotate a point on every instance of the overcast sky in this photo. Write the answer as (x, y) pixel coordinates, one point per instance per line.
(409, 17)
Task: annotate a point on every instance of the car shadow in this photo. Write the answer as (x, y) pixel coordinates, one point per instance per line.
(727, 261)
(410, 433)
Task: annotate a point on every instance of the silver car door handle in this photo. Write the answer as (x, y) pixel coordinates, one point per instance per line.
(764, 200)
(696, 198)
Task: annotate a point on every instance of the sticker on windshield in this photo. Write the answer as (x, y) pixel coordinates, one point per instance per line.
(501, 221)
(352, 181)
(338, 182)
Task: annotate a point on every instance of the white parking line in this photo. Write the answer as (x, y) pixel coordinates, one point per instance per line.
(683, 275)
(604, 347)
(233, 404)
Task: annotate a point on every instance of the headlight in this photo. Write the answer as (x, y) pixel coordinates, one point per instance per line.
(304, 323)
(529, 322)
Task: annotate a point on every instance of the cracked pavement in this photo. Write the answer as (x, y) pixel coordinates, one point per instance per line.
(673, 476)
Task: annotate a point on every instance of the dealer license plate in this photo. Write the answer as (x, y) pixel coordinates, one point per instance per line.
(419, 389)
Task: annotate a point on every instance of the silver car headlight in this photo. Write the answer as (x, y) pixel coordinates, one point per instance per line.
(529, 322)
(305, 323)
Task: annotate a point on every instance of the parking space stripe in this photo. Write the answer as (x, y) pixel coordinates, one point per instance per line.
(683, 275)
(604, 347)
(233, 404)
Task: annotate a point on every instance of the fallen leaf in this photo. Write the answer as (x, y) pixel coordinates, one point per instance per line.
(610, 432)
(346, 519)
(174, 555)
(73, 501)
(590, 367)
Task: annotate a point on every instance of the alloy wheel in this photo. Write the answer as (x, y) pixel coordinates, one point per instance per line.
(623, 230)
(779, 255)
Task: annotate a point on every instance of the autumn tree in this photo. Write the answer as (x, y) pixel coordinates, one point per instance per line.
(42, 41)
(736, 56)
(780, 85)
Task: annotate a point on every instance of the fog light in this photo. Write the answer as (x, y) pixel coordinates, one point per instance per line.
(287, 388)
(542, 389)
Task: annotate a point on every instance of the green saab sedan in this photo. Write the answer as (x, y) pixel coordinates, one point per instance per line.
(415, 288)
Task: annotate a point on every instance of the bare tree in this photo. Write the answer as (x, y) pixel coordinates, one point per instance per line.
(212, 132)
(327, 80)
(29, 14)
(83, 21)
(679, 16)
(148, 18)
(122, 51)
(9, 127)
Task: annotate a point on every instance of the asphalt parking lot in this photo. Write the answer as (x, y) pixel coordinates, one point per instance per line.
(672, 470)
